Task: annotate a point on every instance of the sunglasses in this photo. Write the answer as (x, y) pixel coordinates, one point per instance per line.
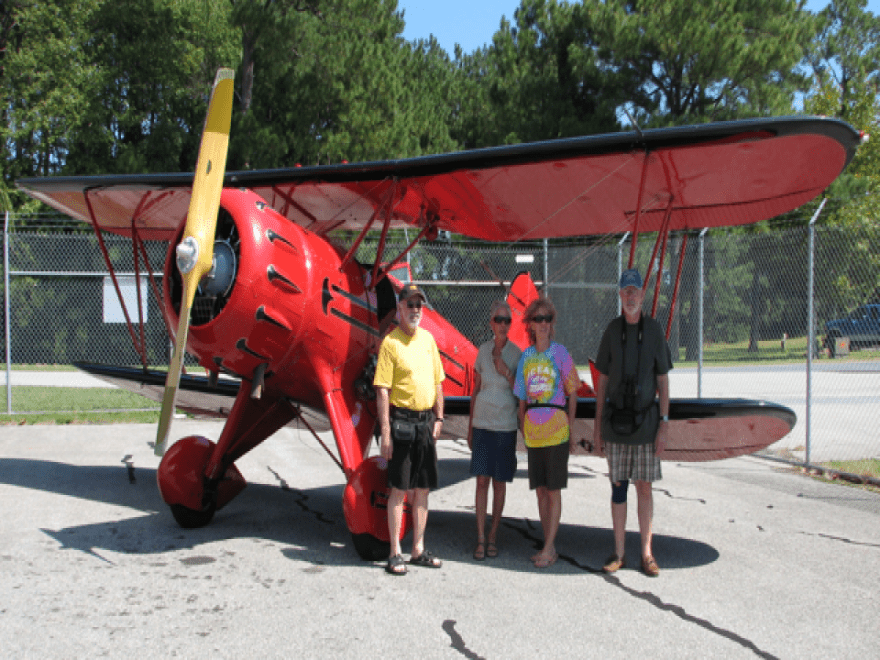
(542, 319)
(501, 319)
(414, 305)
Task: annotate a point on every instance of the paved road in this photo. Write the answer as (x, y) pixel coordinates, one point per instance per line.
(757, 561)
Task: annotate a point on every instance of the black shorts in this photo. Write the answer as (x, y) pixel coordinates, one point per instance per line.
(548, 466)
(414, 464)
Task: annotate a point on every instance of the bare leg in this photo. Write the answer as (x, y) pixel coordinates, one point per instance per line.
(420, 519)
(499, 494)
(395, 519)
(618, 520)
(482, 501)
(551, 513)
(646, 516)
(541, 494)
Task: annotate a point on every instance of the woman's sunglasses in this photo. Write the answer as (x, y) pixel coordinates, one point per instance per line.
(543, 319)
(501, 319)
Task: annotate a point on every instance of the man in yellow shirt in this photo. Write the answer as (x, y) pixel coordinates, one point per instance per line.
(409, 396)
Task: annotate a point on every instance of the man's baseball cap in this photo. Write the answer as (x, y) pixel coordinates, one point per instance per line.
(630, 277)
(410, 290)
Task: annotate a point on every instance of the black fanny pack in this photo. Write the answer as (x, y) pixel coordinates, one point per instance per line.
(403, 431)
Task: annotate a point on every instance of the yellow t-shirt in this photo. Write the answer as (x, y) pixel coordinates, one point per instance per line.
(409, 367)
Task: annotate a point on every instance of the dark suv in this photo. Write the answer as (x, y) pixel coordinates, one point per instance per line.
(862, 327)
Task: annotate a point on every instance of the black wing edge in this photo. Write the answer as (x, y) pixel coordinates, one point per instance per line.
(679, 409)
(195, 394)
(475, 159)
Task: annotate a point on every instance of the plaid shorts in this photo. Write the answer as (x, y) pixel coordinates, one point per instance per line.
(632, 462)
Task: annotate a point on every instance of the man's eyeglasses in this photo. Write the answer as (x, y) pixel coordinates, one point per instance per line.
(543, 319)
(501, 319)
(414, 305)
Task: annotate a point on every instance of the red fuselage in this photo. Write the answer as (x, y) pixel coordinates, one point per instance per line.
(312, 320)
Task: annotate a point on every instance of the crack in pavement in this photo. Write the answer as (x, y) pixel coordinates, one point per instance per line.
(300, 499)
(648, 597)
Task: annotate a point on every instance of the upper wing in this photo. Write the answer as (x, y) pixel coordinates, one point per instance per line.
(710, 175)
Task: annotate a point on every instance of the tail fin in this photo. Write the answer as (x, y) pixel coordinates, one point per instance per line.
(522, 293)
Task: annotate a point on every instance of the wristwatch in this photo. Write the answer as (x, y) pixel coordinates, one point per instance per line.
(665, 418)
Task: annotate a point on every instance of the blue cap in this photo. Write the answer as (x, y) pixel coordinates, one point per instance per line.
(630, 277)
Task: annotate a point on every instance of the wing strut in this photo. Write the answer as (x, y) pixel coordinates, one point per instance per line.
(684, 243)
(139, 347)
(357, 243)
(663, 240)
(155, 287)
(385, 225)
(428, 228)
(635, 231)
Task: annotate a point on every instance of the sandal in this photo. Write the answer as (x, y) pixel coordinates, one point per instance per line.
(545, 562)
(426, 559)
(649, 567)
(491, 550)
(480, 551)
(396, 565)
(614, 563)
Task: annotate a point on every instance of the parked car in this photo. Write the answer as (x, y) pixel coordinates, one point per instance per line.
(861, 327)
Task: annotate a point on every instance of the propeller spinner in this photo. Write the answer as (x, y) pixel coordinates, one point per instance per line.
(195, 251)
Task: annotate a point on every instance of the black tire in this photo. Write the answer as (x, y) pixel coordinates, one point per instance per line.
(831, 343)
(191, 519)
(369, 548)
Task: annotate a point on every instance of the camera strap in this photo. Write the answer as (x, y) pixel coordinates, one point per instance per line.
(641, 336)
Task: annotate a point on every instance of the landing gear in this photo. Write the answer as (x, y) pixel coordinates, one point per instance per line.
(369, 548)
(190, 519)
(365, 504)
(185, 488)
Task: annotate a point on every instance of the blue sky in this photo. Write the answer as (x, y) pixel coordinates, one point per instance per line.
(472, 23)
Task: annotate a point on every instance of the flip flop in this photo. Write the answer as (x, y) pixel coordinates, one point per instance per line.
(546, 562)
(396, 565)
(491, 550)
(480, 551)
(426, 559)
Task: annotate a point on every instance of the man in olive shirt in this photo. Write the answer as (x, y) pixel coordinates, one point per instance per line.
(632, 414)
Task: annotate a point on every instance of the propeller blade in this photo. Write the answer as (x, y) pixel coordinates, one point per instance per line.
(195, 252)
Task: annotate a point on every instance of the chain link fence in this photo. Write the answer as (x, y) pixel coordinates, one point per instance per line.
(749, 319)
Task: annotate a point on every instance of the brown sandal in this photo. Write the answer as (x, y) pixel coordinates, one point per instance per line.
(480, 551)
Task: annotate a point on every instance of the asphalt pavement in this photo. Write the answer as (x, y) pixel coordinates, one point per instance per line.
(756, 560)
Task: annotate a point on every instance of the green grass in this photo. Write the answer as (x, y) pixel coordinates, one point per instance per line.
(866, 467)
(75, 405)
(837, 472)
(795, 351)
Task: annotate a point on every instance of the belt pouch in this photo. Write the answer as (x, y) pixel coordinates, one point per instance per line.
(403, 431)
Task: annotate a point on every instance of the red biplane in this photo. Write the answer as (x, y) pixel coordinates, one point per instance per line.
(296, 320)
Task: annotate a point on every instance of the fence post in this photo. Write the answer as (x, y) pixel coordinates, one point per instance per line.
(620, 268)
(811, 327)
(6, 313)
(546, 270)
(700, 292)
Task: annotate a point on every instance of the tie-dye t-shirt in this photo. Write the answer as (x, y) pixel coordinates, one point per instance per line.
(546, 377)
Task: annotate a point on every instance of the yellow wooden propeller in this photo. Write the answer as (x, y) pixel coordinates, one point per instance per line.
(195, 252)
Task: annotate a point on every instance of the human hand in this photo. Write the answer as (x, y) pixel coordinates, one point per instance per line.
(662, 437)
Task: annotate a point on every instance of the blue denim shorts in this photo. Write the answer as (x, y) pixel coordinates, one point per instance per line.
(493, 454)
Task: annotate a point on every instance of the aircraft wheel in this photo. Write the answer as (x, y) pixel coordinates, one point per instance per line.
(190, 518)
(369, 548)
